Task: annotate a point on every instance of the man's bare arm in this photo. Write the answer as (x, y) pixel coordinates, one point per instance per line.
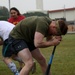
(40, 43)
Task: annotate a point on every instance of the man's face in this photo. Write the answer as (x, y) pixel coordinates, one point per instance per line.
(53, 29)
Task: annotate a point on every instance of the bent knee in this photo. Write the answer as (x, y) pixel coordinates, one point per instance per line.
(29, 64)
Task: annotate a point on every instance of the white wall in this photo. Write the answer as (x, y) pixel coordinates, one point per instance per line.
(69, 15)
(56, 15)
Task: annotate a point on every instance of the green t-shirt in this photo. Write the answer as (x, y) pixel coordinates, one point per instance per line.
(27, 28)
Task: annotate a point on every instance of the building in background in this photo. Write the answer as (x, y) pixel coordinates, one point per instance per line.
(67, 14)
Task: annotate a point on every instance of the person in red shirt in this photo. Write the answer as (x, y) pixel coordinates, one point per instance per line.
(15, 16)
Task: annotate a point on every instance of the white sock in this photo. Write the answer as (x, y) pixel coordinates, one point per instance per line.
(12, 67)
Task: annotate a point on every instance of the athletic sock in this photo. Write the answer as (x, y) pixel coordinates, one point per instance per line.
(12, 67)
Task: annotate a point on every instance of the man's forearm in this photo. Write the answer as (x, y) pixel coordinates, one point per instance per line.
(44, 44)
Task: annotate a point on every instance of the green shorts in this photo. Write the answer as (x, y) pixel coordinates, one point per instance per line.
(13, 46)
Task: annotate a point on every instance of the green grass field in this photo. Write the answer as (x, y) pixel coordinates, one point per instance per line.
(63, 61)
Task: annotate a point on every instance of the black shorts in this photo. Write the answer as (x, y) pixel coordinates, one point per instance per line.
(13, 46)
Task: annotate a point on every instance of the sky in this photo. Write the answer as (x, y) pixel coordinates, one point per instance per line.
(30, 5)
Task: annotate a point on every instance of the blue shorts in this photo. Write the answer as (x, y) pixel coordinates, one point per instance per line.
(13, 46)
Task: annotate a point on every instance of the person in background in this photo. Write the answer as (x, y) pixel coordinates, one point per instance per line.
(28, 36)
(15, 16)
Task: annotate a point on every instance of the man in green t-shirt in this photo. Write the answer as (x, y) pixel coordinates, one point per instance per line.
(28, 36)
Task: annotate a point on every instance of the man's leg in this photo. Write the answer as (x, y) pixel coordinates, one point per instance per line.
(41, 59)
(21, 64)
(26, 57)
(11, 65)
(33, 70)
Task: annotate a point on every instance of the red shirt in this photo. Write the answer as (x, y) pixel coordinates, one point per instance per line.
(16, 20)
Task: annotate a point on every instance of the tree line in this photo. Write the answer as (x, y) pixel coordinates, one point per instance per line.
(4, 13)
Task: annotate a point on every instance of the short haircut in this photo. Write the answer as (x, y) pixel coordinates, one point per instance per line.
(63, 27)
